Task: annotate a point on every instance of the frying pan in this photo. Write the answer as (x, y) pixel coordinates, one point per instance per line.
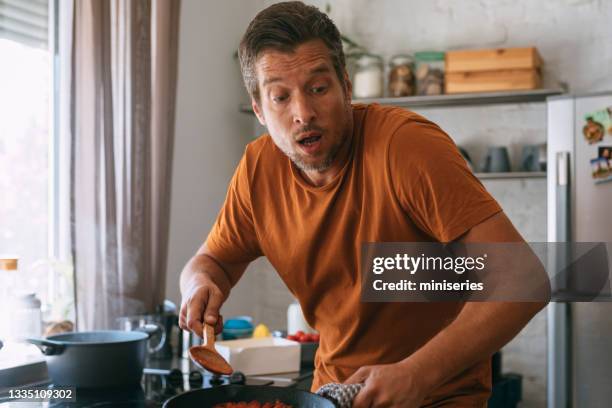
(236, 393)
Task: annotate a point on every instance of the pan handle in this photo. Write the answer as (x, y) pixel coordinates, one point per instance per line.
(48, 347)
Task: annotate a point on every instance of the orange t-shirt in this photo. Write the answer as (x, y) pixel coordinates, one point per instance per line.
(405, 180)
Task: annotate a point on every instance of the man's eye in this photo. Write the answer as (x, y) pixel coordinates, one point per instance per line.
(279, 98)
(319, 89)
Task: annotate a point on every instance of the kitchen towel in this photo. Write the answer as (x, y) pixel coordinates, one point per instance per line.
(341, 394)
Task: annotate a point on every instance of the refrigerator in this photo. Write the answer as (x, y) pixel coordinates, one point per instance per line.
(579, 190)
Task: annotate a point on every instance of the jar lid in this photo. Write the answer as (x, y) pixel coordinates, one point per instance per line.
(28, 300)
(430, 56)
(8, 263)
(368, 59)
(401, 59)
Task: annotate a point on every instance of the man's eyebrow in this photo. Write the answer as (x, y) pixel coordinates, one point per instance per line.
(321, 69)
(270, 80)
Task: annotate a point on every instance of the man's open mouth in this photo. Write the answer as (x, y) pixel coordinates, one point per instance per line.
(309, 140)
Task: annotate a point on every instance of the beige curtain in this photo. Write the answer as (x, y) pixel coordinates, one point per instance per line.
(124, 64)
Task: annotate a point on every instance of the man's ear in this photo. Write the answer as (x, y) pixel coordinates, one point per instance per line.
(258, 112)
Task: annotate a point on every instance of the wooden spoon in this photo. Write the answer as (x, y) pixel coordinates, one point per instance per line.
(207, 357)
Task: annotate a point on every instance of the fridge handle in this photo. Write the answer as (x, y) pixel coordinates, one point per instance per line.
(560, 393)
(563, 197)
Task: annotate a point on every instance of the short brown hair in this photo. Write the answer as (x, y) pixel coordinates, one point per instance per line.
(282, 27)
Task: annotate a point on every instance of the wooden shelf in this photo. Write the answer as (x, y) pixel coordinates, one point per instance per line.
(510, 175)
(468, 99)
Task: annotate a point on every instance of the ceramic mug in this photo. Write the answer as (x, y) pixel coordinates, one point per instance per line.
(496, 160)
(534, 158)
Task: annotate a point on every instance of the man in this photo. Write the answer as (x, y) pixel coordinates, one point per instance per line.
(328, 177)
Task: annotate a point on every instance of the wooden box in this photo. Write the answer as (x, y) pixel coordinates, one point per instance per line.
(493, 70)
(493, 81)
(492, 59)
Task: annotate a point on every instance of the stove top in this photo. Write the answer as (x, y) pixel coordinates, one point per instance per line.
(157, 386)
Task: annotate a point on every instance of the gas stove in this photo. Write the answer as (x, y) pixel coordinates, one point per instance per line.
(161, 381)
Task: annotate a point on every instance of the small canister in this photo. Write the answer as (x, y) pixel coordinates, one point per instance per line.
(27, 317)
(429, 72)
(296, 321)
(368, 80)
(401, 76)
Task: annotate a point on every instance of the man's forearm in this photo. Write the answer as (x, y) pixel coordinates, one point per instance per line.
(477, 331)
(201, 267)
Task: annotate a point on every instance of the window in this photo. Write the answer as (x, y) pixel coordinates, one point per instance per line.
(28, 176)
(24, 150)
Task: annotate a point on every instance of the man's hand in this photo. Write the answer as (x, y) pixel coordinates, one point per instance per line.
(388, 385)
(202, 300)
(205, 284)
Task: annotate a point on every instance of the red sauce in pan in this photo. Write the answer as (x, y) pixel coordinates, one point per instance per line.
(253, 404)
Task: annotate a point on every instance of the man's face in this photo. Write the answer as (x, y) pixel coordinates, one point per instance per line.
(303, 104)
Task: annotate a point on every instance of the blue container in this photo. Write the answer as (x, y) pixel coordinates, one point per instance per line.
(238, 327)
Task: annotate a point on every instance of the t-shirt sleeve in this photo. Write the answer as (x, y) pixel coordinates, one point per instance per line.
(233, 238)
(434, 184)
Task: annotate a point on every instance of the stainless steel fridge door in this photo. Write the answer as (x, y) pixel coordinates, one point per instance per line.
(591, 222)
(560, 157)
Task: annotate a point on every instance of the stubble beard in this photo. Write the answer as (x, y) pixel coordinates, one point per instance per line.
(331, 156)
(328, 160)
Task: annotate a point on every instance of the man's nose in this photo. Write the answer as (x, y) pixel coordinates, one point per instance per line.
(303, 110)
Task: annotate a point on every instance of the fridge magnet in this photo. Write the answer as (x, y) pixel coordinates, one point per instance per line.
(601, 170)
(606, 153)
(593, 131)
(597, 123)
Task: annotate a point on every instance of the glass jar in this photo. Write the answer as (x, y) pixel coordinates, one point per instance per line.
(368, 79)
(8, 272)
(27, 317)
(8, 279)
(401, 76)
(429, 72)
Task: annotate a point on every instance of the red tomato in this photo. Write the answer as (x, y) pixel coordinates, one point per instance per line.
(292, 337)
(315, 337)
(299, 333)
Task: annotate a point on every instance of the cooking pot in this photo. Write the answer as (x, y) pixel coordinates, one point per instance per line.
(237, 393)
(96, 358)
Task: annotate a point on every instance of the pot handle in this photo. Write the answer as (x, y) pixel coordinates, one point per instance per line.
(150, 329)
(48, 347)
